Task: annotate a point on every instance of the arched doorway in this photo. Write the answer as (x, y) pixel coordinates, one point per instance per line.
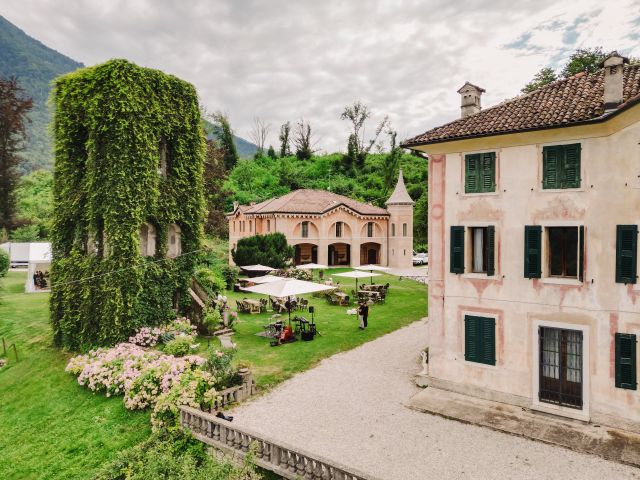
(370, 253)
(306, 253)
(339, 254)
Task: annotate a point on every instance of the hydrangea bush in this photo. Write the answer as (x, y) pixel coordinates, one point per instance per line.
(150, 337)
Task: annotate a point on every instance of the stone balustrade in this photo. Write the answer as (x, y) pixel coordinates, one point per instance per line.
(286, 461)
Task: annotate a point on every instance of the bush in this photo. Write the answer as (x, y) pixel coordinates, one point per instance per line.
(230, 275)
(4, 263)
(271, 250)
(297, 273)
(179, 346)
(177, 456)
(219, 365)
(28, 233)
(421, 248)
(210, 280)
(211, 319)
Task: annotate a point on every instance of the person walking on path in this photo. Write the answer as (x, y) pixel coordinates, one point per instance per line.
(363, 314)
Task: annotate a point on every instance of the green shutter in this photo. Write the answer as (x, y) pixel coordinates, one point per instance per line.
(488, 341)
(491, 247)
(551, 160)
(571, 166)
(532, 251)
(488, 180)
(626, 368)
(626, 253)
(480, 339)
(581, 254)
(471, 335)
(472, 173)
(457, 250)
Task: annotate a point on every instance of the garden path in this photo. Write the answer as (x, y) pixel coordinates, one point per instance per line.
(350, 408)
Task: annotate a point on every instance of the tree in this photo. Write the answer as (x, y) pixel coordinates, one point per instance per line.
(4, 262)
(215, 194)
(258, 134)
(222, 130)
(392, 163)
(34, 199)
(303, 140)
(13, 108)
(357, 151)
(271, 249)
(271, 153)
(285, 130)
(583, 60)
(542, 78)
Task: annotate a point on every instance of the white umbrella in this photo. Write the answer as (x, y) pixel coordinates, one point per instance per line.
(264, 279)
(372, 267)
(356, 274)
(257, 268)
(288, 287)
(312, 266)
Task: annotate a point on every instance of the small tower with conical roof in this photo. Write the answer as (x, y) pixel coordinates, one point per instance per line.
(400, 208)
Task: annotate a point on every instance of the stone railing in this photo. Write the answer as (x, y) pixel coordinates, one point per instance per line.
(287, 461)
(238, 393)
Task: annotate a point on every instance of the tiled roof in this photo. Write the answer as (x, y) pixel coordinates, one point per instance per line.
(311, 202)
(562, 103)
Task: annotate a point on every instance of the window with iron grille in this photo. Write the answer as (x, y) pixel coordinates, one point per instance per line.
(305, 229)
(370, 229)
(338, 229)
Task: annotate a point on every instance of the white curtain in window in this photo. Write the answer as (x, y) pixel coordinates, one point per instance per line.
(478, 249)
(551, 353)
(574, 357)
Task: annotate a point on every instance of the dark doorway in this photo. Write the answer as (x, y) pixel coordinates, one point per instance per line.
(372, 256)
(339, 254)
(560, 367)
(306, 253)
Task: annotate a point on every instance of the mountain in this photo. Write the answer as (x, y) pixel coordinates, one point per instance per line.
(244, 147)
(36, 65)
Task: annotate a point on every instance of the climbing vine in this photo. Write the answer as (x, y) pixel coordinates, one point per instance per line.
(114, 125)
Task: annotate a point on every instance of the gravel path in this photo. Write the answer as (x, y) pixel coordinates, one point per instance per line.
(350, 408)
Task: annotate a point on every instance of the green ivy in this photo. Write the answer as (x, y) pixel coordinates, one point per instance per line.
(108, 124)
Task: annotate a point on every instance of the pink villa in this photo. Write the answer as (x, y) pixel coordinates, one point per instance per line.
(332, 229)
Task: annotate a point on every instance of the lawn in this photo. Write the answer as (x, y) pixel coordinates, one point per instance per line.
(406, 303)
(49, 426)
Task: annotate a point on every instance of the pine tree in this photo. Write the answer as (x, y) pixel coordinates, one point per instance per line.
(222, 130)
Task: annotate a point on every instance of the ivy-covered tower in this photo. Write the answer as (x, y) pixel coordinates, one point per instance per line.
(129, 151)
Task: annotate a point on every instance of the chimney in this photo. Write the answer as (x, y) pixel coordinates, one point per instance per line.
(613, 80)
(470, 99)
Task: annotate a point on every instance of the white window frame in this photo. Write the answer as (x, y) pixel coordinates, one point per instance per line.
(544, 277)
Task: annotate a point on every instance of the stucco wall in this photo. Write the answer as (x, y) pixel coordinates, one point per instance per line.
(609, 195)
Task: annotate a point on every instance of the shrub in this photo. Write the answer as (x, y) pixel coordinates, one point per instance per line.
(4, 263)
(211, 319)
(150, 337)
(230, 275)
(27, 233)
(210, 280)
(421, 248)
(219, 365)
(297, 273)
(271, 249)
(179, 346)
(177, 456)
(146, 337)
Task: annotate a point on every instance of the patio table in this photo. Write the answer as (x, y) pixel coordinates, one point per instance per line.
(254, 305)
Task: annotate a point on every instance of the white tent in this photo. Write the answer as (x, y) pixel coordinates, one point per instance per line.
(39, 260)
(264, 279)
(356, 274)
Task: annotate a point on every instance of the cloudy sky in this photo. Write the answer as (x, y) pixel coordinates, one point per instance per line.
(289, 59)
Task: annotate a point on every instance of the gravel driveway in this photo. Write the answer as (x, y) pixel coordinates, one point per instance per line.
(350, 408)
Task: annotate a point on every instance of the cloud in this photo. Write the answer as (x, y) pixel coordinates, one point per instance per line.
(283, 60)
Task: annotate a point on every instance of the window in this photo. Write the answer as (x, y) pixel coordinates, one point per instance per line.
(147, 240)
(482, 250)
(175, 243)
(561, 166)
(370, 229)
(305, 229)
(404, 229)
(338, 229)
(480, 172)
(393, 229)
(480, 339)
(563, 251)
(456, 262)
(250, 225)
(626, 253)
(268, 225)
(626, 368)
(234, 226)
(162, 162)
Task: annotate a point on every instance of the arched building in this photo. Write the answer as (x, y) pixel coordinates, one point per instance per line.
(332, 229)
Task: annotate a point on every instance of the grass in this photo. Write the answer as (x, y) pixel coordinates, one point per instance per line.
(50, 427)
(406, 303)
